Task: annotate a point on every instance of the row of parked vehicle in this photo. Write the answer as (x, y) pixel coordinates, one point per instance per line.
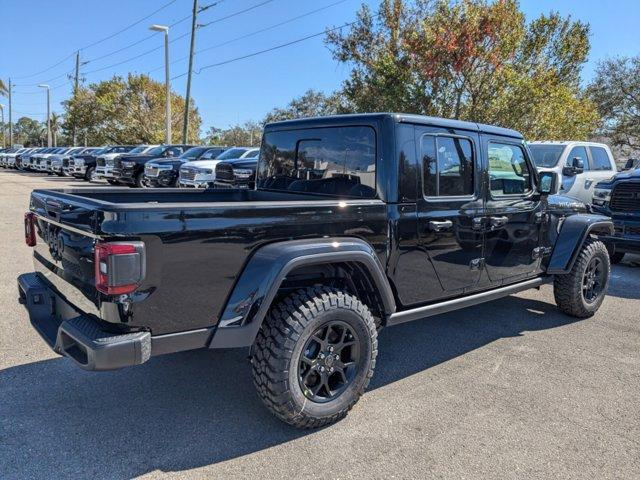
(143, 165)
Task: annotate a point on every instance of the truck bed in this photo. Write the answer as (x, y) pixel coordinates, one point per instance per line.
(197, 243)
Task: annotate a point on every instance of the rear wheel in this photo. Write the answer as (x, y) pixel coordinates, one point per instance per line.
(314, 356)
(580, 292)
(90, 174)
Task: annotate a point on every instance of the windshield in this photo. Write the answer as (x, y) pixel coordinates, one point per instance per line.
(546, 156)
(139, 149)
(156, 151)
(231, 153)
(194, 152)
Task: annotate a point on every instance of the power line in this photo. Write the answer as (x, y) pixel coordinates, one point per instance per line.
(98, 41)
(266, 50)
(226, 17)
(256, 32)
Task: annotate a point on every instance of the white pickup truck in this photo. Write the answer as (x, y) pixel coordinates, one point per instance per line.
(579, 165)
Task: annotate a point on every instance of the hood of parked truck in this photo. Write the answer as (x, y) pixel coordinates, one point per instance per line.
(138, 158)
(174, 162)
(251, 163)
(202, 164)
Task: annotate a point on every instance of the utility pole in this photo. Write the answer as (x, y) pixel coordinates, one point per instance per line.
(10, 124)
(75, 92)
(2, 121)
(185, 123)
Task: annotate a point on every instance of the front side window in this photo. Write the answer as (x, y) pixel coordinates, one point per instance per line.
(509, 172)
(600, 159)
(329, 161)
(581, 153)
(447, 166)
(232, 153)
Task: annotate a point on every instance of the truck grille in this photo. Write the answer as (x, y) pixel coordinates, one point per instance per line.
(188, 174)
(224, 173)
(626, 197)
(65, 162)
(151, 171)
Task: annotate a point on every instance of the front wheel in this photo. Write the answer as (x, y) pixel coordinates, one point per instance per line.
(580, 292)
(112, 182)
(314, 356)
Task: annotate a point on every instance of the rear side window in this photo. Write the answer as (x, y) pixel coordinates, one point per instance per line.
(509, 172)
(447, 164)
(600, 159)
(329, 161)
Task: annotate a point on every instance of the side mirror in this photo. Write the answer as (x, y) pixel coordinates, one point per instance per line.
(548, 183)
(168, 153)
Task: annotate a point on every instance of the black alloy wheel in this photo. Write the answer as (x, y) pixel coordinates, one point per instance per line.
(328, 361)
(593, 280)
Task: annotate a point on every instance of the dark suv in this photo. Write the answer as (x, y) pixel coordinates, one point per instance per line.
(129, 169)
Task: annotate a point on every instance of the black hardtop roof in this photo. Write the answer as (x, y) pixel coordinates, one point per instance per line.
(397, 117)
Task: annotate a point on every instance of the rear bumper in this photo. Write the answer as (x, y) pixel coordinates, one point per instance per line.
(81, 337)
(76, 335)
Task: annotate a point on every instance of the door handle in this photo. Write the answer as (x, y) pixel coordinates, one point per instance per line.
(440, 226)
(498, 221)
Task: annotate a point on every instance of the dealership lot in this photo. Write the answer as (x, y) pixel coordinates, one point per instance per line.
(509, 389)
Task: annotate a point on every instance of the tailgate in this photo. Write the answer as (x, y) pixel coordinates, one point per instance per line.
(64, 247)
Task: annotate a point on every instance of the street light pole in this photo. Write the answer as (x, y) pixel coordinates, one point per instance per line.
(2, 121)
(167, 85)
(42, 85)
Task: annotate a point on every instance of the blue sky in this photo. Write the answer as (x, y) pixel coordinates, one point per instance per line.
(38, 34)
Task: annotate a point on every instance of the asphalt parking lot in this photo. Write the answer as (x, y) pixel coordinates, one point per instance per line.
(510, 389)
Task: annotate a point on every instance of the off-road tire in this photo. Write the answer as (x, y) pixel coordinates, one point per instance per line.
(567, 289)
(275, 354)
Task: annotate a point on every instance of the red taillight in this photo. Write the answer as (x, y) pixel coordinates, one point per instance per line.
(119, 267)
(30, 229)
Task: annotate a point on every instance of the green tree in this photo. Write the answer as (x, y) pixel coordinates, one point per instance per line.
(127, 110)
(311, 104)
(29, 132)
(55, 122)
(249, 134)
(616, 91)
(469, 59)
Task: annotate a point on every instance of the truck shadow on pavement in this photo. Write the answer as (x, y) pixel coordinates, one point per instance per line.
(199, 408)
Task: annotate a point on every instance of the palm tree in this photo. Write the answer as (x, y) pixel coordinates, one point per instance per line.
(55, 123)
(4, 90)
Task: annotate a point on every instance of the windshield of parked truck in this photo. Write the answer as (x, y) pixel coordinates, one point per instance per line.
(194, 152)
(139, 149)
(546, 156)
(232, 153)
(156, 151)
(337, 161)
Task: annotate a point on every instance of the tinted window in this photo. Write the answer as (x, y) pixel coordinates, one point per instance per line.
(447, 166)
(546, 156)
(193, 152)
(173, 152)
(600, 159)
(253, 154)
(581, 153)
(508, 170)
(331, 161)
(212, 153)
(232, 153)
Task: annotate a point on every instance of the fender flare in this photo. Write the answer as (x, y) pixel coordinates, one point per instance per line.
(265, 271)
(575, 230)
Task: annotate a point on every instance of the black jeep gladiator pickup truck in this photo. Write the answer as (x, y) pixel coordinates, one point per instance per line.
(356, 223)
